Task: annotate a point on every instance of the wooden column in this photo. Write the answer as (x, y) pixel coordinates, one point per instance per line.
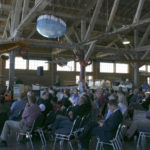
(82, 68)
(136, 75)
(11, 69)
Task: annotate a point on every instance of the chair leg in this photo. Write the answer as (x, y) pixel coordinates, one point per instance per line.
(70, 144)
(30, 141)
(113, 145)
(43, 137)
(18, 136)
(61, 144)
(97, 145)
(101, 146)
(39, 132)
(54, 143)
(118, 145)
(139, 138)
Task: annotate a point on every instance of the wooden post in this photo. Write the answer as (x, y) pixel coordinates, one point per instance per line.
(11, 69)
(82, 68)
(136, 75)
(82, 77)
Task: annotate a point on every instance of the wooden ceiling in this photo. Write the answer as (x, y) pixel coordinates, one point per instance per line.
(106, 22)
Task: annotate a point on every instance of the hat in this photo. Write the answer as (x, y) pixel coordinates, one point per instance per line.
(42, 107)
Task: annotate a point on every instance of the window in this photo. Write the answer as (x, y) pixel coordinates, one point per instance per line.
(78, 66)
(87, 69)
(107, 67)
(33, 64)
(7, 64)
(20, 63)
(143, 68)
(68, 67)
(148, 80)
(148, 68)
(89, 80)
(121, 68)
(77, 79)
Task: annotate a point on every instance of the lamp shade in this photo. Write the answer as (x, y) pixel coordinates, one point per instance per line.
(50, 26)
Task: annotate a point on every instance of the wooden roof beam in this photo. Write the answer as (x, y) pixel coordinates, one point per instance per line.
(112, 14)
(40, 5)
(93, 19)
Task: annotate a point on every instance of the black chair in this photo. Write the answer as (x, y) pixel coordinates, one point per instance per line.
(36, 128)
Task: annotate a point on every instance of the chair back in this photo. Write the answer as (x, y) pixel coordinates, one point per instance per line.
(67, 110)
(76, 125)
(50, 118)
(38, 122)
(118, 130)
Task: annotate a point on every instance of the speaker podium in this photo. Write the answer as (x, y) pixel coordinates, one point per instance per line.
(40, 71)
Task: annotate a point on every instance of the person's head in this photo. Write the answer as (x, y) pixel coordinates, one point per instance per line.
(75, 92)
(45, 95)
(83, 99)
(121, 98)
(30, 93)
(136, 91)
(147, 95)
(54, 101)
(100, 91)
(42, 107)
(21, 96)
(112, 105)
(32, 99)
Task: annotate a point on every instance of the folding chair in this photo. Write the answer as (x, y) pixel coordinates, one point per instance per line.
(115, 142)
(67, 137)
(142, 134)
(36, 127)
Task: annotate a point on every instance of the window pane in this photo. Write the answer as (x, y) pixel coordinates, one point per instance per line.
(121, 68)
(78, 66)
(68, 67)
(20, 63)
(7, 64)
(107, 67)
(143, 68)
(87, 69)
(77, 79)
(33, 64)
(148, 68)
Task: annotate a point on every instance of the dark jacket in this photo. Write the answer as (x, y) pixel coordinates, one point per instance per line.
(108, 130)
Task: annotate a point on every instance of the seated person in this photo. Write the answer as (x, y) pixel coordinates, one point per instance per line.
(46, 98)
(106, 130)
(141, 120)
(64, 124)
(17, 107)
(140, 106)
(56, 106)
(31, 112)
(75, 97)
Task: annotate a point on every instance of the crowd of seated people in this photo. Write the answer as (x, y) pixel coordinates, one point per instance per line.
(105, 108)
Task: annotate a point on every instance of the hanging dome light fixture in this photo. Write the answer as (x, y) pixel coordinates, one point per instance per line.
(50, 26)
